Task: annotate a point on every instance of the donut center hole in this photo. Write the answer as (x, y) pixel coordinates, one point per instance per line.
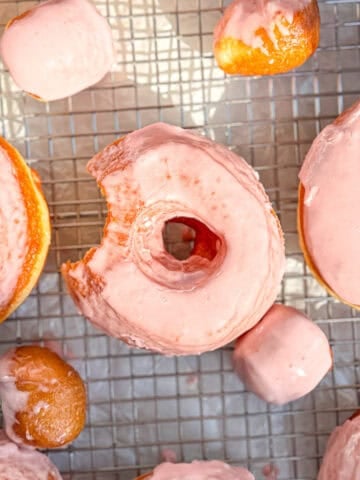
(184, 237)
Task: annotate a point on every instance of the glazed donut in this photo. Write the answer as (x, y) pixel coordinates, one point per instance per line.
(201, 470)
(266, 37)
(133, 289)
(43, 398)
(24, 229)
(329, 196)
(57, 48)
(283, 357)
(18, 463)
(341, 460)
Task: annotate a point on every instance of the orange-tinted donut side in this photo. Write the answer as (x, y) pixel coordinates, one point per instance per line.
(292, 50)
(39, 230)
(55, 411)
(17, 18)
(145, 476)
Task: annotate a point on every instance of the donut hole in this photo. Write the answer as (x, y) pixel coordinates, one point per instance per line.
(178, 239)
(184, 237)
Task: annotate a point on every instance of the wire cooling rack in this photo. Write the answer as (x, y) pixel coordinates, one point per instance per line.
(141, 403)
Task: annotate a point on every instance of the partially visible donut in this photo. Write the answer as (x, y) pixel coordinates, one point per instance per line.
(341, 460)
(43, 398)
(57, 48)
(199, 470)
(133, 289)
(266, 37)
(329, 196)
(19, 463)
(24, 229)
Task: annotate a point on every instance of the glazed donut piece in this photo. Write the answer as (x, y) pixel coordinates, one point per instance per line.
(266, 37)
(43, 398)
(329, 196)
(18, 463)
(57, 48)
(201, 470)
(341, 460)
(133, 289)
(283, 357)
(24, 232)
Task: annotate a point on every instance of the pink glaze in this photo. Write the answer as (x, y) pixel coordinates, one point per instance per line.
(270, 472)
(211, 470)
(342, 457)
(12, 399)
(243, 18)
(58, 49)
(133, 289)
(168, 455)
(56, 346)
(18, 463)
(13, 230)
(284, 357)
(330, 176)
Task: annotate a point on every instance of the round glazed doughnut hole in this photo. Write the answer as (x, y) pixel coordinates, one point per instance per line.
(283, 357)
(18, 463)
(25, 229)
(43, 398)
(328, 199)
(57, 48)
(342, 455)
(134, 289)
(266, 37)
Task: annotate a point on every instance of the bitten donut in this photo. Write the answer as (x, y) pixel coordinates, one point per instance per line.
(18, 463)
(24, 229)
(329, 196)
(341, 460)
(266, 37)
(283, 357)
(57, 48)
(43, 398)
(199, 470)
(133, 289)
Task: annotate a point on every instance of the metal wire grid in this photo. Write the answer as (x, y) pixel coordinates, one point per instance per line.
(140, 403)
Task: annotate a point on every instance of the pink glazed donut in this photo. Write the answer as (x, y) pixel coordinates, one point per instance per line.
(197, 470)
(133, 289)
(57, 48)
(20, 463)
(327, 223)
(342, 456)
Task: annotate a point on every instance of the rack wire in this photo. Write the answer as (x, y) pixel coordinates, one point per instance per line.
(140, 403)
